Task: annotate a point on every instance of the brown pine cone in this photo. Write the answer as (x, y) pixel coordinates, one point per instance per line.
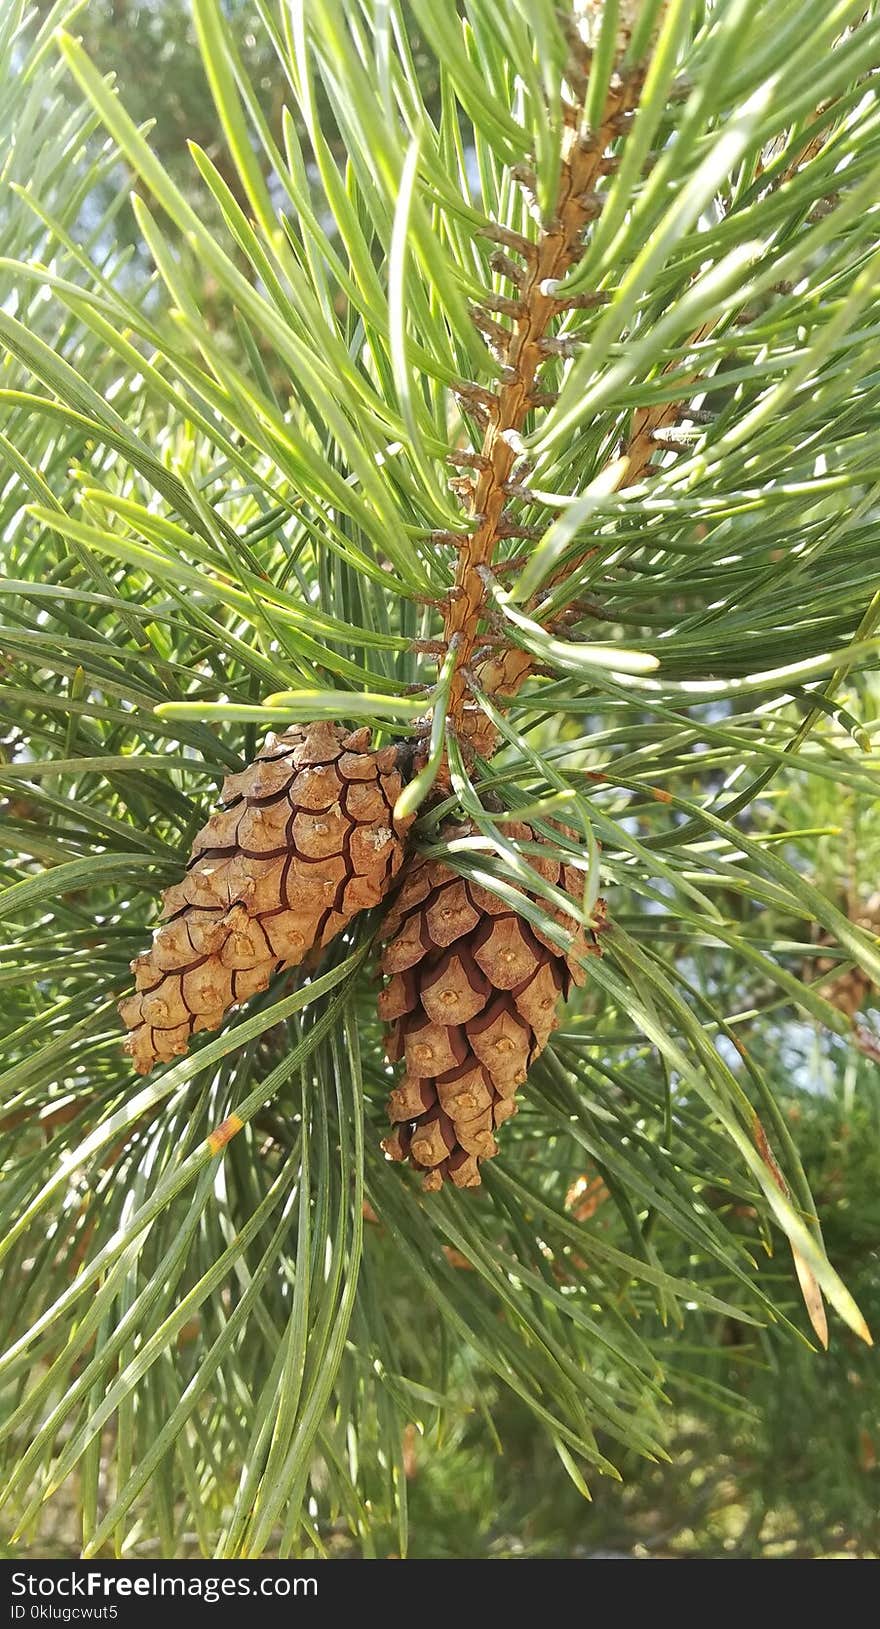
(471, 1000)
(305, 838)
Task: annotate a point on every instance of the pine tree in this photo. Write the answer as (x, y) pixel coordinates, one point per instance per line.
(527, 423)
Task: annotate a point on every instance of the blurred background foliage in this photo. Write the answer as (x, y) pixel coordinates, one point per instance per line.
(773, 1449)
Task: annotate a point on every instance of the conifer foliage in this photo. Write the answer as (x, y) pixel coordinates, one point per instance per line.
(501, 434)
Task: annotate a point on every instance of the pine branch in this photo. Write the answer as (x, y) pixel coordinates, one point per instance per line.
(225, 504)
(538, 267)
(506, 671)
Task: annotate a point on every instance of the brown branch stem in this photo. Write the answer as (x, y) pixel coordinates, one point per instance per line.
(559, 245)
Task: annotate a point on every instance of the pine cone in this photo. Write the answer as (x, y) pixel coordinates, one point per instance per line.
(471, 1001)
(305, 838)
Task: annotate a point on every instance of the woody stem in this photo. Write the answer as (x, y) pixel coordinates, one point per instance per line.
(558, 246)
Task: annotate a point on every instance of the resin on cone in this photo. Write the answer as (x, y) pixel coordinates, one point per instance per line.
(471, 999)
(305, 839)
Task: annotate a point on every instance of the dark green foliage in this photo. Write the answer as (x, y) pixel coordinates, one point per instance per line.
(218, 489)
